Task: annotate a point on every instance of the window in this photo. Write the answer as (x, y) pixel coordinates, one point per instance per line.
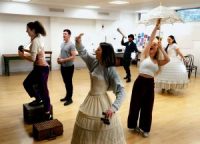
(190, 15)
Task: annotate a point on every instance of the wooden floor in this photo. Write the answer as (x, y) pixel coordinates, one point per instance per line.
(176, 118)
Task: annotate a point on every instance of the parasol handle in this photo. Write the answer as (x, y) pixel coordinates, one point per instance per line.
(121, 32)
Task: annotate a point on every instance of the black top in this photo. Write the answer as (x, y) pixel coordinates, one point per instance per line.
(130, 47)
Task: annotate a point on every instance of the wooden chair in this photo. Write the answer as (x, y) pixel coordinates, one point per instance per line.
(48, 57)
(193, 67)
(189, 63)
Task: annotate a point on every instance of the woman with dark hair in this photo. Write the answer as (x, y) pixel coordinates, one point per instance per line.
(97, 121)
(142, 98)
(174, 74)
(36, 82)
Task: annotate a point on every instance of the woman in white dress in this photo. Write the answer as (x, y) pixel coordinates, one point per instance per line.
(89, 128)
(174, 74)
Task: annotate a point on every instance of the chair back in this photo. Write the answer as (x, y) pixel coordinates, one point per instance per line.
(48, 57)
(188, 61)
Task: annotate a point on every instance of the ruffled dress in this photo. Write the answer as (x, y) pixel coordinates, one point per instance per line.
(173, 75)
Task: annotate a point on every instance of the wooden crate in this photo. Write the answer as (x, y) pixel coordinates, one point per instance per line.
(47, 129)
(34, 114)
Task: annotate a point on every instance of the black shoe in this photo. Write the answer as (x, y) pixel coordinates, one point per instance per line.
(128, 80)
(63, 99)
(36, 103)
(136, 130)
(68, 102)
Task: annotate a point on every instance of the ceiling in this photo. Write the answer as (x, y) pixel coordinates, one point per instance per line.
(133, 6)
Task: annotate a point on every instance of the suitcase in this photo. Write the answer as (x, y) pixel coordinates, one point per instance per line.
(34, 114)
(47, 129)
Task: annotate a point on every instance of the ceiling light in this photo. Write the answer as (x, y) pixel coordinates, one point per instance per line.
(142, 11)
(21, 0)
(119, 2)
(92, 7)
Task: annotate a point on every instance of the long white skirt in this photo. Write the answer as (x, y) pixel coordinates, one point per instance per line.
(173, 75)
(89, 129)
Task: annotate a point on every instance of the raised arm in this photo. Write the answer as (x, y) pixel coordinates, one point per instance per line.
(165, 55)
(90, 60)
(152, 37)
(122, 42)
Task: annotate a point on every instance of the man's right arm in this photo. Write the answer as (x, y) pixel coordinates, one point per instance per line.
(122, 42)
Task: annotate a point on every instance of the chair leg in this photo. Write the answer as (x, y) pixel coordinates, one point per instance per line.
(195, 72)
(189, 74)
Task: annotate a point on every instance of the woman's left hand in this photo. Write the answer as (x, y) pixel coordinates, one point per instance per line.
(109, 113)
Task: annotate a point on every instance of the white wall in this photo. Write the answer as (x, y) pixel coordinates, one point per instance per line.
(127, 24)
(76, 26)
(187, 37)
(13, 33)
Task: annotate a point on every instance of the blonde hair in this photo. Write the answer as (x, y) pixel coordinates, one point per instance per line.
(155, 40)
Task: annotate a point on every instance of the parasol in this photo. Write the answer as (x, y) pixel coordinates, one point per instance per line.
(167, 15)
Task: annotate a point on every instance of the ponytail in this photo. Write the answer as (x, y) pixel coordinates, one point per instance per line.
(38, 27)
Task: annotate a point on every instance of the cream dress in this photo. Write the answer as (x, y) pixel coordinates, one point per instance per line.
(89, 129)
(173, 75)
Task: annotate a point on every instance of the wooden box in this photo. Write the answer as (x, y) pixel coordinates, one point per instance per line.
(33, 114)
(47, 129)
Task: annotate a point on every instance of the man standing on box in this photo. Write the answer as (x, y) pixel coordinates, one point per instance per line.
(66, 59)
(36, 82)
(130, 47)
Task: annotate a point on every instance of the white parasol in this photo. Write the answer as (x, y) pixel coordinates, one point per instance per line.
(167, 15)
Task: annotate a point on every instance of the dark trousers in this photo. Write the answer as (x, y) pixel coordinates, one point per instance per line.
(36, 85)
(126, 64)
(67, 75)
(141, 105)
